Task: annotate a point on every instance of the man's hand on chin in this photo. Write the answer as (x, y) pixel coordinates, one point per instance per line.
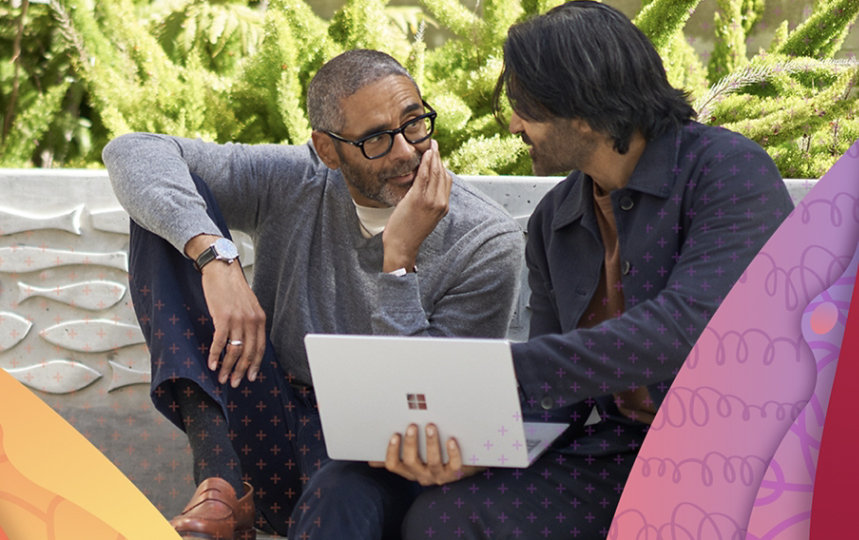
(416, 216)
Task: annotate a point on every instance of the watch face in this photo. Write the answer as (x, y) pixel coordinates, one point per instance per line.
(225, 249)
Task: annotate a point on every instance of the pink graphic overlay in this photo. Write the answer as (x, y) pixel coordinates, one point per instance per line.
(837, 471)
(733, 450)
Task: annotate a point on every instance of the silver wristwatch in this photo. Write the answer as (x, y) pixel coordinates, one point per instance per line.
(221, 250)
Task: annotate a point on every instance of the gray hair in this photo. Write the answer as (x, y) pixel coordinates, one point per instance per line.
(341, 77)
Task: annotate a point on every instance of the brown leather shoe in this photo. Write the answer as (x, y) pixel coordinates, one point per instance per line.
(214, 513)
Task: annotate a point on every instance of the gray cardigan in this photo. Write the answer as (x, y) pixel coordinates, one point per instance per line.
(313, 270)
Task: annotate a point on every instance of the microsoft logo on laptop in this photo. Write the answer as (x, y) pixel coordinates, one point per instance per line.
(416, 401)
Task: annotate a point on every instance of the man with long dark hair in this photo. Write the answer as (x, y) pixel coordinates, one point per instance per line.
(628, 259)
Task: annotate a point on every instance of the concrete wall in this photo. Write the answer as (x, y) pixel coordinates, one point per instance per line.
(67, 327)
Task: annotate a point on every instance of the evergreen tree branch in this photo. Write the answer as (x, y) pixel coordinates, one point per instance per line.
(456, 17)
(660, 20)
(16, 59)
(758, 73)
(814, 37)
(729, 52)
(791, 117)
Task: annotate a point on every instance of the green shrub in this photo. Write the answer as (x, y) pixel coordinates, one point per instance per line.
(238, 70)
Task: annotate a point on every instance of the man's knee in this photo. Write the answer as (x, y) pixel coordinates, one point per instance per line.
(416, 522)
(426, 519)
(340, 498)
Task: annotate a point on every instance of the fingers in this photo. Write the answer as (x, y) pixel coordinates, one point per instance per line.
(392, 457)
(219, 340)
(432, 182)
(441, 179)
(231, 356)
(239, 346)
(403, 458)
(238, 356)
(248, 352)
(423, 178)
(454, 458)
(244, 351)
(411, 456)
(457, 469)
(434, 459)
(238, 343)
(410, 465)
(251, 349)
(258, 351)
(431, 472)
(438, 181)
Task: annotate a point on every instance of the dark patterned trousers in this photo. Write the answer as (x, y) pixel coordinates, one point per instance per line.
(274, 426)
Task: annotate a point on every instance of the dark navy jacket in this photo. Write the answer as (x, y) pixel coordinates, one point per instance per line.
(700, 204)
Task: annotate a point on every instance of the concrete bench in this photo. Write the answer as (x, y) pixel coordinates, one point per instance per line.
(67, 327)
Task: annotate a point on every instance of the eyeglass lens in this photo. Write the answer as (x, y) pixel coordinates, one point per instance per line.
(414, 132)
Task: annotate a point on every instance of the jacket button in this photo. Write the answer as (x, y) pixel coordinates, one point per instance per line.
(626, 203)
(625, 267)
(547, 403)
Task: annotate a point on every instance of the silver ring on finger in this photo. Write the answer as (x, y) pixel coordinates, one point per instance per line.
(236, 342)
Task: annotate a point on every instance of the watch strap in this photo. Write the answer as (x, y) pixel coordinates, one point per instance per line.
(221, 249)
(204, 258)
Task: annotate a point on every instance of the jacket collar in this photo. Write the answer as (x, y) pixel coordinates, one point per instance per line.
(655, 174)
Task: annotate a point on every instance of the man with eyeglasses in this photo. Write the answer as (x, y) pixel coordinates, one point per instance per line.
(361, 231)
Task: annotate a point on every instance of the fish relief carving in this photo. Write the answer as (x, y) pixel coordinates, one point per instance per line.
(56, 376)
(92, 295)
(126, 376)
(13, 329)
(113, 220)
(18, 259)
(94, 335)
(13, 221)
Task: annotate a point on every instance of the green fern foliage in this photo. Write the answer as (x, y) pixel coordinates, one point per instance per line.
(488, 155)
(219, 34)
(40, 99)
(33, 123)
(238, 70)
(131, 80)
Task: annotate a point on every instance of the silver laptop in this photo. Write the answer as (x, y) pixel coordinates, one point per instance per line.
(370, 387)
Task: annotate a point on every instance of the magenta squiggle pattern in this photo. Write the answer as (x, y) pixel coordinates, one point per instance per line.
(736, 346)
(733, 450)
(731, 469)
(699, 405)
(817, 267)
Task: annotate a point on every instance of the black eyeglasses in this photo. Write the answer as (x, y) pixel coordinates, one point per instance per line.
(376, 145)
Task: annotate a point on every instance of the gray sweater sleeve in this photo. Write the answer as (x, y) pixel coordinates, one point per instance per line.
(479, 305)
(151, 177)
(476, 279)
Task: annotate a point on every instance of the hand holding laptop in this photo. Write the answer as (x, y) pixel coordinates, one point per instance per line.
(368, 387)
(432, 472)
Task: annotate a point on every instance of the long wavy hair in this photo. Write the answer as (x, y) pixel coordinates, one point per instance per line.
(587, 60)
